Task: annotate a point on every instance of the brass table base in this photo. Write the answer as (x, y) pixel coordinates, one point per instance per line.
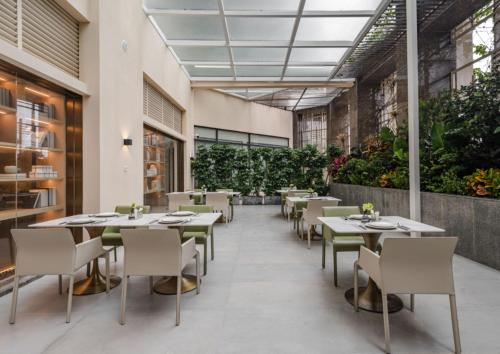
(168, 286)
(371, 300)
(96, 283)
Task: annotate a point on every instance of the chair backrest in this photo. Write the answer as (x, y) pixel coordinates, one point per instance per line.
(44, 251)
(217, 200)
(224, 190)
(197, 208)
(315, 206)
(298, 193)
(152, 252)
(332, 211)
(418, 265)
(125, 209)
(177, 199)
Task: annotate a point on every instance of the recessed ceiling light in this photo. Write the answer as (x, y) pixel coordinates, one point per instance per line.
(36, 92)
(213, 66)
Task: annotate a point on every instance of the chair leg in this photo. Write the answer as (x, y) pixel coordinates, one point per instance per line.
(335, 282)
(212, 254)
(309, 236)
(454, 323)
(197, 258)
(123, 300)
(412, 302)
(356, 290)
(88, 269)
(387, 334)
(13, 307)
(108, 285)
(70, 298)
(323, 252)
(60, 283)
(178, 301)
(151, 281)
(114, 251)
(205, 257)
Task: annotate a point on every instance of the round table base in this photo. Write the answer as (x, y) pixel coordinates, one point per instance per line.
(372, 300)
(168, 286)
(95, 285)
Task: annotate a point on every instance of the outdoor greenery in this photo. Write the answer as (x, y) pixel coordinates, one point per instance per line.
(259, 170)
(459, 146)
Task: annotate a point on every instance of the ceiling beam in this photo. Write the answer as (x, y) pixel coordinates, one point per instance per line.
(279, 44)
(275, 84)
(297, 103)
(300, 10)
(257, 13)
(256, 63)
(226, 35)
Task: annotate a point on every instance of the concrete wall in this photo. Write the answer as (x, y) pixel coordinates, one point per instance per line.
(473, 220)
(217, 110)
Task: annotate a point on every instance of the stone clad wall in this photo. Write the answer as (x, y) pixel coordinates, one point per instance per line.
(475, 221)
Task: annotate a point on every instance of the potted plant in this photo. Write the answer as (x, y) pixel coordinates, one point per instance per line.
(367, 211)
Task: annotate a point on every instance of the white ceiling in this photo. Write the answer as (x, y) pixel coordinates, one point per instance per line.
(262, 40)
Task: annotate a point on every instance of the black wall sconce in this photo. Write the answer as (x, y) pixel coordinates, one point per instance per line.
(127, 142)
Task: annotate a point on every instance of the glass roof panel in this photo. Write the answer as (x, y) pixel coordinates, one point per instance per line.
(191, 27)
(331, 55)
(262, 5)
(336, 5)
(309, 71)
(259, 28)
(242, 54)
(330, 28)
(258, 70)
(211, 71)
(201, 53)
(182, 4)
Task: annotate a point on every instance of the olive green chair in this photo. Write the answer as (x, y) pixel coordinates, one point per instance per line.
(231, 197)
(111, 235)
(340, 242)
(200, 233)
(198, 198)
(297, 215)
(283, 196)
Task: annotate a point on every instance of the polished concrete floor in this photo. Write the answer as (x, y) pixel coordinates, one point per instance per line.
(265, 292)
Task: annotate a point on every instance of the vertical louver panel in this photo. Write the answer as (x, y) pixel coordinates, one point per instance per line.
(160, 108)
(51, 33)
(8, 20)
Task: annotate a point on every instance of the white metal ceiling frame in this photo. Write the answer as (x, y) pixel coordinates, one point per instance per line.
(292, 43)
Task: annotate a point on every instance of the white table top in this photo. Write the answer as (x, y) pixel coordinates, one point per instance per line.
(305, 199)
(234, 194)
(340, 225)
(202, 219)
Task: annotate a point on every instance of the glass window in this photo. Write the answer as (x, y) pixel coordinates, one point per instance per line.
(309, 71)
(182, 4)
(320, 55)
(386, 108)
(202, 53)
(227, 135)
(191, 27)
(259, 28)
(329, 5)
(205, 133)
(268, 140)
(311, 128)
(258, 70)
(330, 29)
(209, 71)
(262, 5)
(246, 54)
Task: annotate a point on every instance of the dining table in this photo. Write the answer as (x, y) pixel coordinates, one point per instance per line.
(97, 223)
(370, 296)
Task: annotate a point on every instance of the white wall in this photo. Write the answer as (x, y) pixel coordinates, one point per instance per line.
(217, 110)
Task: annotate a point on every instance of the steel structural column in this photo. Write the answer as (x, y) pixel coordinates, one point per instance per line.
(413, 120)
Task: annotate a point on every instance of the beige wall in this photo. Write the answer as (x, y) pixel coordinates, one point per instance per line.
(218, 110)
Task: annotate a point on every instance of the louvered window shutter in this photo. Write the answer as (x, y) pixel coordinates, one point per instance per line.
(160, 108)
(50, 33)
(8, 21)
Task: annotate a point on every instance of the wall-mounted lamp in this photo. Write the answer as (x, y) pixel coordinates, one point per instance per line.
(127, 142)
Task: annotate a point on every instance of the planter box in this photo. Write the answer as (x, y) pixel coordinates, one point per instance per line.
(252, 200)
(475, 221)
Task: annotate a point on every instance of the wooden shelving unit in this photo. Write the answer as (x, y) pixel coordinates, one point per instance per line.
(20, 213)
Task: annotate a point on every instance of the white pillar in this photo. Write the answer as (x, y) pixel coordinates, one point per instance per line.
(413, 123)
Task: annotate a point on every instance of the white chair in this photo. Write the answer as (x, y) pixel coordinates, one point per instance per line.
(310, 214)
(51, 252)
(177, 199)
(220, 202)
(290, 205)
(411, 266)
(156, 253)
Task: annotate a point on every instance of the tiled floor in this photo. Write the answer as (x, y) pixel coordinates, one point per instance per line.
(265, 292)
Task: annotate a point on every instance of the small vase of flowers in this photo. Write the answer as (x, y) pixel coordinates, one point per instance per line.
(367, 211)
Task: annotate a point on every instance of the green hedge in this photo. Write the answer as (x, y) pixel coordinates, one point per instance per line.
(259, 169)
